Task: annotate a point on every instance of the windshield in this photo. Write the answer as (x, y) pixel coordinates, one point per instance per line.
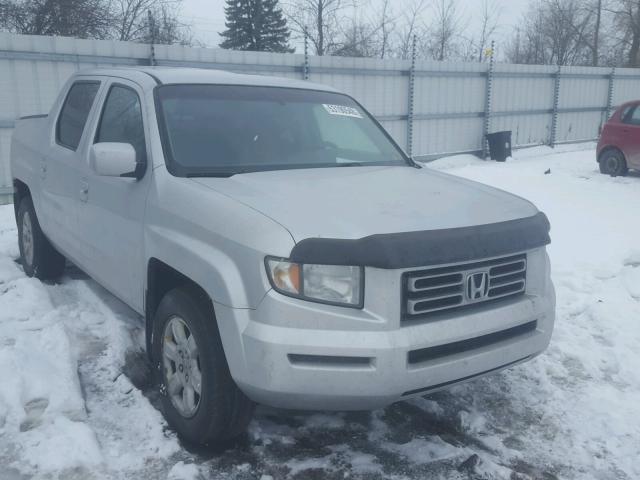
(221, 130)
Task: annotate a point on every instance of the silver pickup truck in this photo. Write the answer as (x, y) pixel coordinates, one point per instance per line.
(280, 245)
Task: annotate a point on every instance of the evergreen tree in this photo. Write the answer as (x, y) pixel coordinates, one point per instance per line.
(256, 25)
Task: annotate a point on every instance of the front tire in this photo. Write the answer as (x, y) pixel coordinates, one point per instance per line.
(38, 257)
(199, 398)
(612, 162)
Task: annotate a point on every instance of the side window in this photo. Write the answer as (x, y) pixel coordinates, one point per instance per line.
(121, 120)
(74, 113)
(632, 116)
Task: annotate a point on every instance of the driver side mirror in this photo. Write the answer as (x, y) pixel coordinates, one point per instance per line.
(112, 159)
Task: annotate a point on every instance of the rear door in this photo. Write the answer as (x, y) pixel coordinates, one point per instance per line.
(60, 169)
(630, 135)
(112, 214)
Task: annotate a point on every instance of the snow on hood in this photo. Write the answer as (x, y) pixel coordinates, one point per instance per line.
(355, 202)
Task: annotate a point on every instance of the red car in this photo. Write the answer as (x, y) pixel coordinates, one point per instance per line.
(619, 144)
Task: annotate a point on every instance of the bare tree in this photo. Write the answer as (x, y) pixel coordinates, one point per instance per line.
(528, 43)
(318, 20)
(595, 46)
(131, 21)
(627, 21)
(411, 23)
(386, 25)
(130, 18)
(557, 32)
(565, 30)
(445, 30)
(585, 20)
(166, 28)
(119, 19)
(489, 24)
(358, 40)
(72, 18)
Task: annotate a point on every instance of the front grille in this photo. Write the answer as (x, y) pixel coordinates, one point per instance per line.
(444, 289)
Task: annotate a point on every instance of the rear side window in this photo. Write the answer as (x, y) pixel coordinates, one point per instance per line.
(121, 120)
(632, 116)
(75, 112)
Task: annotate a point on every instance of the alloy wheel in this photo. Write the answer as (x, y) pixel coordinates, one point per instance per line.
(181, 361)
(27, 239)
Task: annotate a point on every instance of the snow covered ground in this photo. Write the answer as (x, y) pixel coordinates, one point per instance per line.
(76, 403)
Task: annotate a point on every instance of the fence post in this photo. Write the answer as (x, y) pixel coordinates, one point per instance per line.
(412, 81)
(305, 67)
(612, 81)
(487, 102)
(152, 31)
(556, 101)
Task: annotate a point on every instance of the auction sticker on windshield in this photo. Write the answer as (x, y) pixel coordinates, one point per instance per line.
(342, 110)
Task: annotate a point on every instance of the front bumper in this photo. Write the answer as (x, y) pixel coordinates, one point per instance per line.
(367, 363)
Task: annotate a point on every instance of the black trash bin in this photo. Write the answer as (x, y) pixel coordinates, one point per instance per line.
(499, 145)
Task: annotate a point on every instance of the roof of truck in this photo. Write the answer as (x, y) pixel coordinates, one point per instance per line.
(180, 75)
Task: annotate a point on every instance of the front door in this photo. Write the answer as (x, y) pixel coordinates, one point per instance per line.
(112, 215)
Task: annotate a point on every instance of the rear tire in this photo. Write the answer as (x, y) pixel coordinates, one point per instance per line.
(38, 257)
(199, 398)
(612, 162)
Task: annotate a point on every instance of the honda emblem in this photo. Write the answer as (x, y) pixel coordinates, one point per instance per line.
(477, 286)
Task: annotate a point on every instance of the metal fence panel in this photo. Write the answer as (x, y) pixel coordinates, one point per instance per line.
(521, 93)
(527, 129)
(448, 107)
(446, 110)
(576, 126)
(448, 135)
(626, 85)
(584, 91)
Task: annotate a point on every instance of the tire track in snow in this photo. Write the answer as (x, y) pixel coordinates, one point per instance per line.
(132, 434)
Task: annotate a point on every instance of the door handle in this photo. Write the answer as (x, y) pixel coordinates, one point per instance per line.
(84, 191)
(43, 170)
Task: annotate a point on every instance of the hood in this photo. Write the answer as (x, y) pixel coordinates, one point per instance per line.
(355, 202)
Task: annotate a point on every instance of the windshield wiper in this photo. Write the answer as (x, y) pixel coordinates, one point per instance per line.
(210, 174)
(350, 164)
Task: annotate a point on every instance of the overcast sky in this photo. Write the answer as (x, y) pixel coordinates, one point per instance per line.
(207, 16)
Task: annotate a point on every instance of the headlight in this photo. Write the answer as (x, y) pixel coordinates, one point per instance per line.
(332, 284)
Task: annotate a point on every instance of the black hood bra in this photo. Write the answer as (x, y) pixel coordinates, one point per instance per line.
(427, 247)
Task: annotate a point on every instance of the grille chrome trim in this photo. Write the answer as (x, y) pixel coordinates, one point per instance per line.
(441, 289)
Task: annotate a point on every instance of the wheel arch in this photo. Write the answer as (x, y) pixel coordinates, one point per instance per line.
(609, 148)
(20, 191)
(161, 278)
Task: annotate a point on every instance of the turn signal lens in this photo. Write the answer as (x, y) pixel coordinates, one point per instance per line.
(285, 275)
